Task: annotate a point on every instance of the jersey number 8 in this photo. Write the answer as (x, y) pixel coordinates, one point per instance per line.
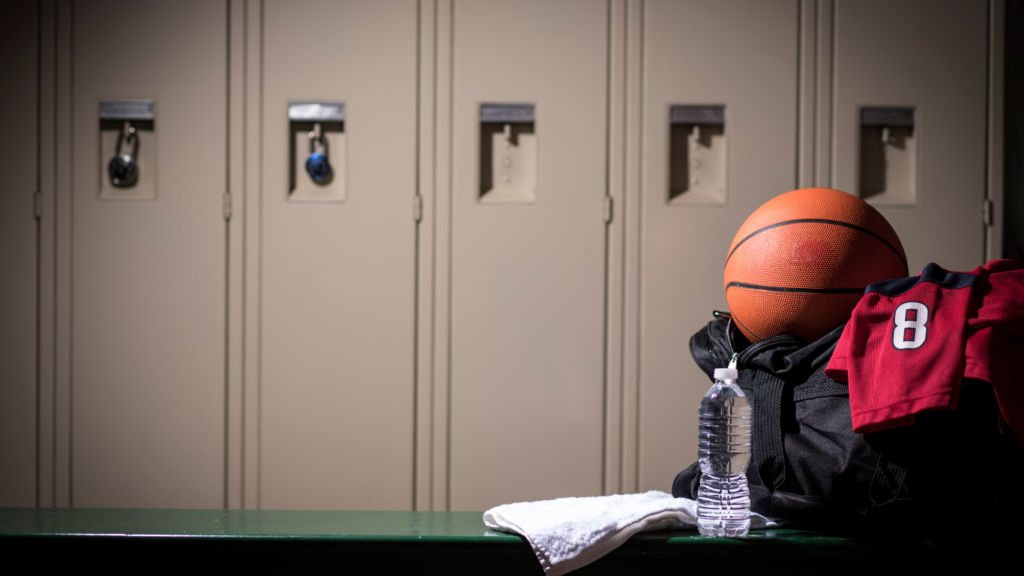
(911, 330)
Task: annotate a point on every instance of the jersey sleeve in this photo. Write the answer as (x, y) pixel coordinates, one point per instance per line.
(995, 336)
(836, 368)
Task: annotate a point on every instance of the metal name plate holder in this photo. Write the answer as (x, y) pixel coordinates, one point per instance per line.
(316, 111)
(126, 110)
(123, 169)
(892, 117)
(698, 115)
(506, 113)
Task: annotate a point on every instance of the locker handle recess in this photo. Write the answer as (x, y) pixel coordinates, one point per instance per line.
(127, 149)
(697, 159)
(316, 152)
(508, 154)
(888, 155)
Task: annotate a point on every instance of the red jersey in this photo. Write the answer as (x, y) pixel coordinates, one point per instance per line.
(910, 341)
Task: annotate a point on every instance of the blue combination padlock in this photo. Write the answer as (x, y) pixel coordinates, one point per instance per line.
(317, 165)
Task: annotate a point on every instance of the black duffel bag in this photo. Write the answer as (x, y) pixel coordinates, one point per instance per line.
(809, 468)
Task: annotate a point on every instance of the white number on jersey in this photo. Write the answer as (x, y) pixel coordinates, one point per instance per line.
(911, 330)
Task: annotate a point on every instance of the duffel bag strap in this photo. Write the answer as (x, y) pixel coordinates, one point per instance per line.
(886, 482)
(769, 456)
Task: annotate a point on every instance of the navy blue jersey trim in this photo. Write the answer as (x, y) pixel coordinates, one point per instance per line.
(906, 269)
(801, 290)
(932, 273)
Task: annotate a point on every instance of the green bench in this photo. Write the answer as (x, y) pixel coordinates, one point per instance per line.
(428, 543)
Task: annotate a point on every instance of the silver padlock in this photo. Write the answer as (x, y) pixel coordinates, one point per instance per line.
(123, 168)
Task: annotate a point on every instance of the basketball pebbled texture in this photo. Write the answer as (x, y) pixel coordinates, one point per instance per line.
(801, 262)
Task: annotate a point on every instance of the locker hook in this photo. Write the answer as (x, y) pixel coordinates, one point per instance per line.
(317, 165)
(885, 135)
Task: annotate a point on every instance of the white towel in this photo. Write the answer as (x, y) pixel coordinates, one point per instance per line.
(569, 533)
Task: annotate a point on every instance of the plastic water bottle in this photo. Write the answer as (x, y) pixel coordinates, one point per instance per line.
(723, 500)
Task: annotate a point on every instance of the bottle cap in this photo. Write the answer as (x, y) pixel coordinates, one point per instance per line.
(726, 374)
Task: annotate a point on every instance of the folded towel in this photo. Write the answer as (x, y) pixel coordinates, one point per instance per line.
(569, 533)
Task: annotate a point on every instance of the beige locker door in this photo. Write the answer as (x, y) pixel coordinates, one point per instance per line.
(338, 276)
(19, 164)
(930, 55)
(148, 300)
(743, 55)
(527, 316)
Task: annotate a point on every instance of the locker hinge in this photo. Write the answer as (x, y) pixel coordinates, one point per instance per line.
(987, 213)
(607, 209)
(37, 204)
(417, 208)
(227, 206)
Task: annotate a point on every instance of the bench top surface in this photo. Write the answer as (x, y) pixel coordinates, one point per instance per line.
(352, 526)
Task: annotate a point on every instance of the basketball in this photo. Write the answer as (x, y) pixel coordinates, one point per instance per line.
(801, 261)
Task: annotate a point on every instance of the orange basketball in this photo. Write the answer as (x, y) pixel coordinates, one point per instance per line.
(801, 261)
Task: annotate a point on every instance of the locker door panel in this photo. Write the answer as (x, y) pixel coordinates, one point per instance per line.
(741, 55)
(148, 276)
(931, 56)
(338, 276)
(527, 316)
(18, 165)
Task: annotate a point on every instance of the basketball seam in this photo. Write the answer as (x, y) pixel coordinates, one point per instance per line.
(797, 290)
(737, 320)
(906, 268)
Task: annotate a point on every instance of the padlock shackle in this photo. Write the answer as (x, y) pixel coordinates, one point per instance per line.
(317, 135)
(128, 133)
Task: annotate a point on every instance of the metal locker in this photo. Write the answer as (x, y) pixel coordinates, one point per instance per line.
(338, 271)
(928, 59)
(734, 65)
(528, 251)
(19, 163)
(147, 285)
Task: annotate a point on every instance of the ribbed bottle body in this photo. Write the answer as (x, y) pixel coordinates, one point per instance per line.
(723, 499)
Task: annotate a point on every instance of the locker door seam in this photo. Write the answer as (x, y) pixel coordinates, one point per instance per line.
(71, 261)
(417, 216)
(451, 267)
(227, 250)
(642, 62)
(39, 243)
(607, 247)
(828, 104)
